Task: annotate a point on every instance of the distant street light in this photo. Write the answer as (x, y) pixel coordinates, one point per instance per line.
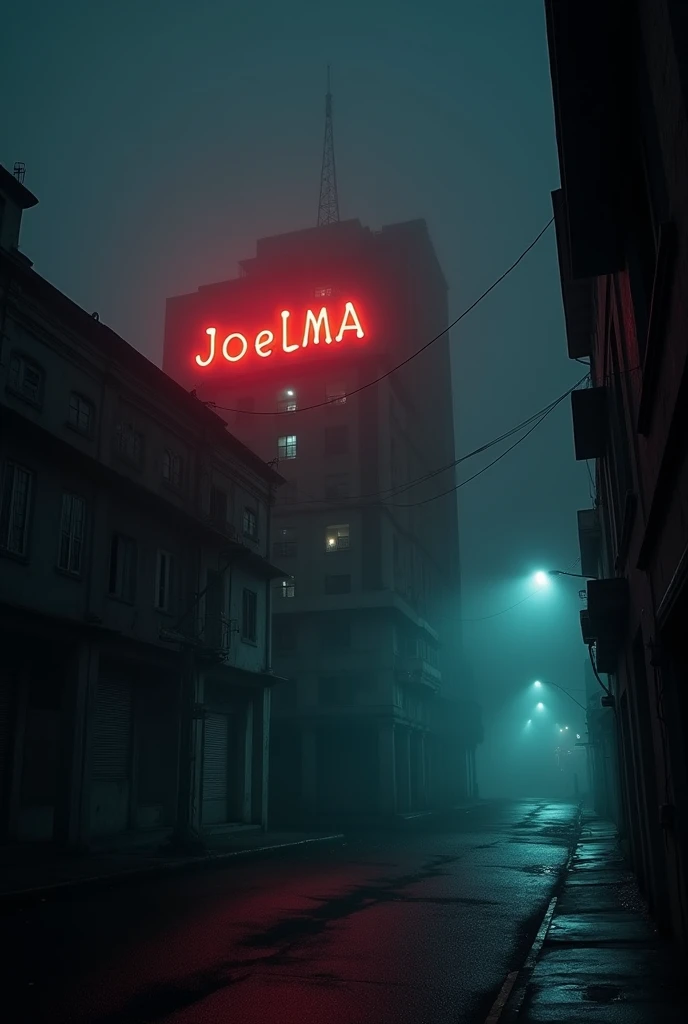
(537, 684)
(577, 735)
(549, 682)
(539, 706)
(541, 579)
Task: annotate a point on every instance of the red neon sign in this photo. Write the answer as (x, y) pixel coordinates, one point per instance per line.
(235, 346)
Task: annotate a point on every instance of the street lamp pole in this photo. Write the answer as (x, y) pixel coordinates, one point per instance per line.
(548, 682)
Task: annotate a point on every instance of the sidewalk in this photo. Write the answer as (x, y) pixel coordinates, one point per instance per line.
(601, 959)
(32, 874)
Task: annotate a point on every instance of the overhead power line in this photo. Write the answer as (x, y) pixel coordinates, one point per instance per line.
(393, 492)
(404, 362)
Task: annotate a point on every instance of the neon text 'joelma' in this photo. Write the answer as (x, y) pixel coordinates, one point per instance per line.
(235, 346)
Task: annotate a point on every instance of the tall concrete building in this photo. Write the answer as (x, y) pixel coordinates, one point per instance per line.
(300, 353)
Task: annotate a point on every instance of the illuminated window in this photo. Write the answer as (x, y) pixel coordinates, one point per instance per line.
(71, 534)
(337, 485)
(80, 413)
(287, 588)
(321, 293)
(25, 378)
(172, 467)
(286, 446)
(336, 394)
(17, 491)
(286, 401)
(337, 538)
(285, 545)
(250, 523)
(336, 440)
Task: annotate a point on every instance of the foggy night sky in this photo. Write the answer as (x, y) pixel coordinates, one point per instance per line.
(163, 137)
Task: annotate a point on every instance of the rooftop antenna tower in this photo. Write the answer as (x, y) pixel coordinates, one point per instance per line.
(328, 207)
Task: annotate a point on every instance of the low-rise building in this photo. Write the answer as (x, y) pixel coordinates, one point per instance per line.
(134, 582)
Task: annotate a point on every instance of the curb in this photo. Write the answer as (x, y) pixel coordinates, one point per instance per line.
(38, 894)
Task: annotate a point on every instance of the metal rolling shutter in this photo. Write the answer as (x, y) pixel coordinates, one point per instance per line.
(215, 768)
(112, 730)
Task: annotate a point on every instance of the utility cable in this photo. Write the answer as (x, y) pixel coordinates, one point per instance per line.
(539, 415)
(404, 362)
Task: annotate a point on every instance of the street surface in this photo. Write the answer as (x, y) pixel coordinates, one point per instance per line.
(420, 925)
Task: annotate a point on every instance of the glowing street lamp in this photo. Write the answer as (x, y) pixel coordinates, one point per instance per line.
(539, 706)
(537, 684)
(541, 579)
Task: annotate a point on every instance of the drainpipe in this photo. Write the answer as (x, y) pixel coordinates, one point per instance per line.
(268, 592)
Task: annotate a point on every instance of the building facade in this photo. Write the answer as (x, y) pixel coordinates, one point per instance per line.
(296, 353)
(620, 86)
(134, 600)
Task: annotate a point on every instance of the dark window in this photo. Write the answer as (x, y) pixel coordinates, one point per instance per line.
(336, 394)
(337, 584)
(337, 485)
(71, 534)
(249, 616)
(250, 523)
(25, 378)
(17, 492)
(172, 467)
(284, 636)
(285, 545)
(218, 505)
(123, 559)
(334, 632)
(215, 633)
(80, 413)
(166, 582)
(336, 440)
(129, 442)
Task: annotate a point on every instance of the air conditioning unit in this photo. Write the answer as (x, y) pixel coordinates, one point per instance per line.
(608, 608)
(589, 411)
(586, 627)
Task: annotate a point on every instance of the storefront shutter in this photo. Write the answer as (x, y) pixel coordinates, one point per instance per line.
(215, 768)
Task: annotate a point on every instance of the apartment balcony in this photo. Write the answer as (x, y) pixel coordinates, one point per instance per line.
(417, 670)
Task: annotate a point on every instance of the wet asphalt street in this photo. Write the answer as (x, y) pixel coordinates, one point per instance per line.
(414, 926)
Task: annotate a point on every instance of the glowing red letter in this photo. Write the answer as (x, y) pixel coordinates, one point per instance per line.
(315, 325)
(262, 345)
(349, 311)
(225, 348)
(285, 344)
(204, 362)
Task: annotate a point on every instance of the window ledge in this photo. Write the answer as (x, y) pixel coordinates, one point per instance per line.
(251, 643)
(18, 393)
(76, 576)
(14, 557)
(86, 434)
(656, 330)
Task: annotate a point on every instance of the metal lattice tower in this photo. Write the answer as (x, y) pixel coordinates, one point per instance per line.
(328, 207)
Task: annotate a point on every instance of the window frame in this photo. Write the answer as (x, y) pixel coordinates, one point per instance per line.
(249, 611)
(127, 428)
(335, 394)
(337, 576)
(125, 584)
(74, 424)
(338, 538)
(26, 362)
(174, 477)
(288, 443)
(68, 569)
(6, 529)
(247, 515)
(167, 558)
(287, 588)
